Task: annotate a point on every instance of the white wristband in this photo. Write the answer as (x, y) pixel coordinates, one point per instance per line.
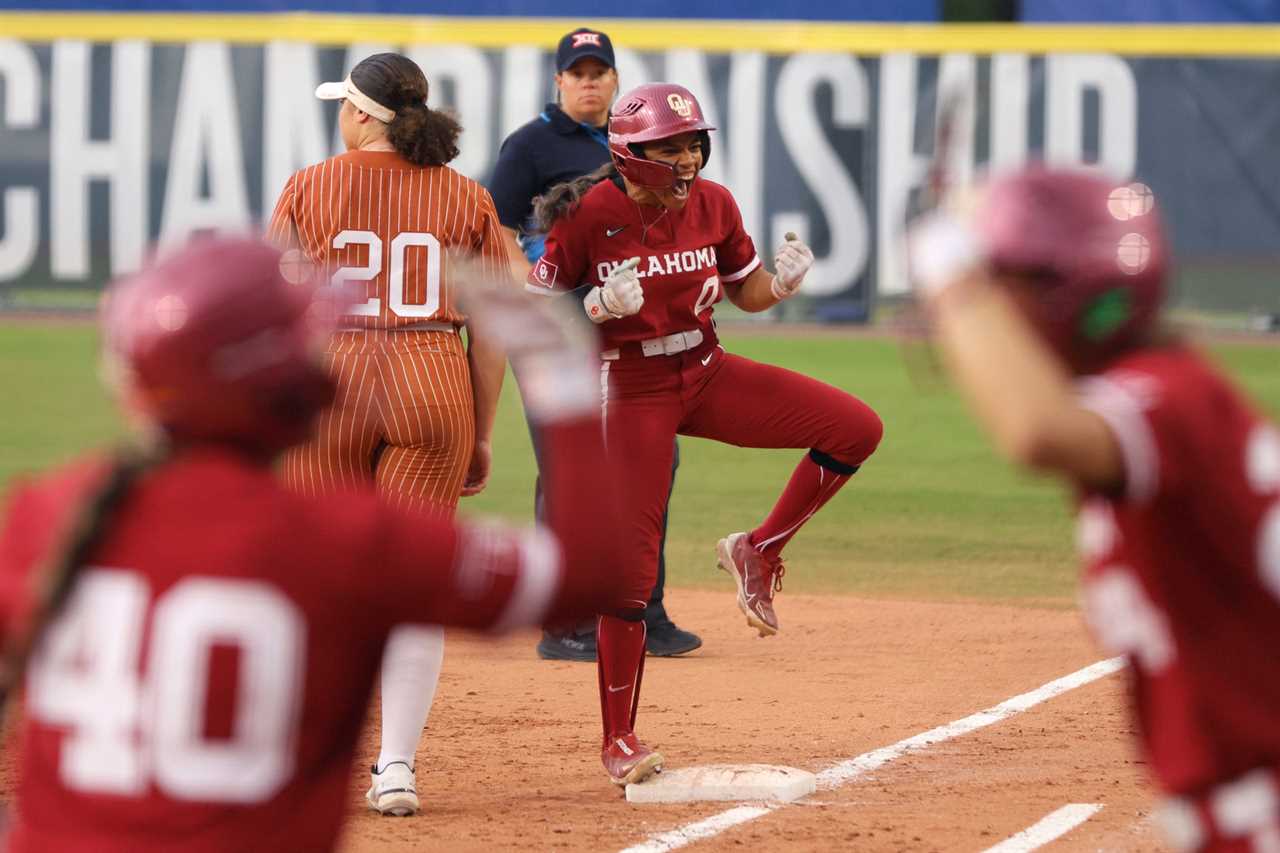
(558, 385)
(779, 292)
(593, 304)
(942, 248)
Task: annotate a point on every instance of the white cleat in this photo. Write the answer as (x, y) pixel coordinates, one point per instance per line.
(394, 790)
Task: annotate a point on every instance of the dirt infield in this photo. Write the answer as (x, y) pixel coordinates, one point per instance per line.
(510, 760)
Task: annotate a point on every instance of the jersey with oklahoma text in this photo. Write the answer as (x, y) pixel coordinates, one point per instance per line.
(1182, 570)
(204, 686)
(385, 228)
(687, 256)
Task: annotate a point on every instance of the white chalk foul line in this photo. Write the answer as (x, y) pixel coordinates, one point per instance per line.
(1052, 826)
(845, 771)
(691, 832)
(839, 774)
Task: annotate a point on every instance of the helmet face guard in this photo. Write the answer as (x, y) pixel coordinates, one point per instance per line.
(650, 174)
(653, 174)
(649, 113)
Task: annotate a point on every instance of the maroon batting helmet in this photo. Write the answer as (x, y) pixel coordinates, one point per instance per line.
(1094, 249)
(648, 113)
(215, 345)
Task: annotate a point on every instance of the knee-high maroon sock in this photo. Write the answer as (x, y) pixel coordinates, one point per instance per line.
(620, 664)
(812, 484)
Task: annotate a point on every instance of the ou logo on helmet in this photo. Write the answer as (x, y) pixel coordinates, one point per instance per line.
(682, 106)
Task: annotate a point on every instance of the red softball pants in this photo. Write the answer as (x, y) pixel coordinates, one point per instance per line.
(710, 393)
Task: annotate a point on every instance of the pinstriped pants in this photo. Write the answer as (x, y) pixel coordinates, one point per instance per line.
(403, 420)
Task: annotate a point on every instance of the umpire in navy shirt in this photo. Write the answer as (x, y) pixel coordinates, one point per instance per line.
(568, 139)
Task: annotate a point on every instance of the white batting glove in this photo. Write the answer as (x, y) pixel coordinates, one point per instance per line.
(621, 296)
(790, 265)
(942, 248)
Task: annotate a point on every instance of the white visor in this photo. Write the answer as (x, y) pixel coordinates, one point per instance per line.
(347, 89)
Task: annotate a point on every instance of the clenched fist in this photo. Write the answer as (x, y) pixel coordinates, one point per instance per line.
(621, 296)
(790, 265)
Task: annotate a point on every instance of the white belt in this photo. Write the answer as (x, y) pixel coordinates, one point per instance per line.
(665, 345)
(412, 327)
(429, 327)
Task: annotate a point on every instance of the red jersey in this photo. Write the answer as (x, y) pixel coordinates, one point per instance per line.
(1183, 570)
(374, 220)
(204, 686)
(687, 256)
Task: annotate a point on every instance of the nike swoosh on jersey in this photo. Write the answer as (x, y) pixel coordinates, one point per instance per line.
(614, 232)
(707, 360)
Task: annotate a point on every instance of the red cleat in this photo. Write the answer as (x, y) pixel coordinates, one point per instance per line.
(758, 577)
(627, 760)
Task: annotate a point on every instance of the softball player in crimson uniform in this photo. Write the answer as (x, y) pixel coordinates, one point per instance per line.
(662, 246)
(1045, 291)
(568, 140)
(414, 411)
(202, 684)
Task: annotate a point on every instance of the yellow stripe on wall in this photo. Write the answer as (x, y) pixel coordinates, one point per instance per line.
(768, 36)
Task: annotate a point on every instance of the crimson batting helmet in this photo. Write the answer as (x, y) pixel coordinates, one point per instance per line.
(1094, 249)
(215, 345)
(648, 113)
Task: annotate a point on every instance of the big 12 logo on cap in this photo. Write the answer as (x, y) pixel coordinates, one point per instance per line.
(582, 39)
(544, 273)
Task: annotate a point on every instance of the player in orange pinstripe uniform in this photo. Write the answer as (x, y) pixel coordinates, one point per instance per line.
(414, 410)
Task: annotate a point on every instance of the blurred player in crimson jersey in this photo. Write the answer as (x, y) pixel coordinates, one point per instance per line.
(1045, 288)
(661, 246)
(202, 685)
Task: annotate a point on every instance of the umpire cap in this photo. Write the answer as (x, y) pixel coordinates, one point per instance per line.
(583, 43)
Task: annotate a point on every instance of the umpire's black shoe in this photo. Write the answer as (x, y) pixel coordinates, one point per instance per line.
(663, 639)
(572, 646)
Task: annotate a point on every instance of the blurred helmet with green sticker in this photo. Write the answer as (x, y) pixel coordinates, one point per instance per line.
(1092, 250)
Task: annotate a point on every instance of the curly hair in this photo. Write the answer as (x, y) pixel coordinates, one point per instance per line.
(420, 134)
(561, 199)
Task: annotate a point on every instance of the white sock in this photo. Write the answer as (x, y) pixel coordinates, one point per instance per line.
(410, 671)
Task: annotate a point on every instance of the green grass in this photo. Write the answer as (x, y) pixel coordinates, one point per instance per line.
(51, 402)
(934, 514)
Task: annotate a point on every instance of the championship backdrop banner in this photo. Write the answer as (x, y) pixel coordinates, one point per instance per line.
(862, 10)
(1130, 11)
(107, 146)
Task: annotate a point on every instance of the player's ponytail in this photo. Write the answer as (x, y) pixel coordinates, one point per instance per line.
(420, 134)
(561, 199)
(424, 136)
(54, 577)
